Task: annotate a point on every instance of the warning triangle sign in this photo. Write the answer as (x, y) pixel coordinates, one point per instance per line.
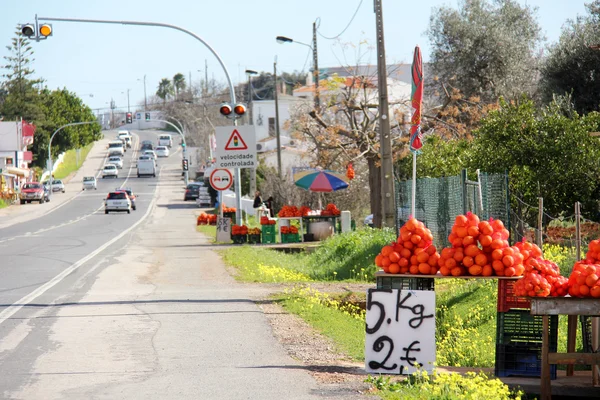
(236, 142)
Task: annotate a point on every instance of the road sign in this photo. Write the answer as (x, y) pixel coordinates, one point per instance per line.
(236, 147)
(138, 115)
(221, 179)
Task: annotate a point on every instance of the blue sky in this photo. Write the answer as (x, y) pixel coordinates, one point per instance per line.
(104, 61)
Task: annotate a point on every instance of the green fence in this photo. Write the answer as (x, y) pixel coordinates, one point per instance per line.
(440, 200)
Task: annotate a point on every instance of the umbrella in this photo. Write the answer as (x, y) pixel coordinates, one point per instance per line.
(317, 180)
(416, 135)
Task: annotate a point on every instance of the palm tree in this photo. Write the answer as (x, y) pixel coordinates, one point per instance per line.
(178, 83)
(165, 88)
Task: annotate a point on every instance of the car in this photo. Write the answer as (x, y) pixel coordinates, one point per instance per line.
(146, 166)
(57, 185)
(161, 151)
(116, 148)
(192, 191)
(146, 145)
(32, 191)
(125, 136)
(89, 182)
(118, 161)
(131, 195)
(110, 170)
(165, 140)
(117, 201)
(150, 153)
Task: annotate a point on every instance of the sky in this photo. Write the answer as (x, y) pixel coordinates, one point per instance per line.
(100, 62)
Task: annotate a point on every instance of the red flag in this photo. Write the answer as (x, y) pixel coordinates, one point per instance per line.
(416, 135)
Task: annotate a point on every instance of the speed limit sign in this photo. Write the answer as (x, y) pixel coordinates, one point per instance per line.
(221, 179)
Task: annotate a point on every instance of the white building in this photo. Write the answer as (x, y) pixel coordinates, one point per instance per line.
(15, 136)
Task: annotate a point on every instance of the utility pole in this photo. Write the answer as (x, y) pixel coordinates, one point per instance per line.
(277, 120)
(112, 113)
(128, 110)
(388, 201)
(250, 72)
(316, 67)
(205, 77)
(145, 98)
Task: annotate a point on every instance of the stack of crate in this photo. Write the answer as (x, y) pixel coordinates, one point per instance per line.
(519, 335)
(268, 233)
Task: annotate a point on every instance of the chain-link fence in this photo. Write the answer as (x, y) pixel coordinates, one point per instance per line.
(440, 200)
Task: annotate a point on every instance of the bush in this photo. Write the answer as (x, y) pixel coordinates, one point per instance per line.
(349, 255)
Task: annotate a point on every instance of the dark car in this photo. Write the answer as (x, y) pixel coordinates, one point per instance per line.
(192, 191)
(147, 145)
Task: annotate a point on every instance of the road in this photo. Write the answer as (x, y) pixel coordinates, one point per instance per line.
(131, 306)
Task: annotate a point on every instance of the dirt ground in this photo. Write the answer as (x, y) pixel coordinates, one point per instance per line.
(337, 374)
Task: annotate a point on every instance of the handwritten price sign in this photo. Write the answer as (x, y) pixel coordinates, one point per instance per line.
(400, 331)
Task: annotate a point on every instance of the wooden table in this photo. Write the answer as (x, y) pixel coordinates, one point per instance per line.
(573, 307)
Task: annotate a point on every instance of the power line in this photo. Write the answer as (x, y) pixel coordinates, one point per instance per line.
(344, 30)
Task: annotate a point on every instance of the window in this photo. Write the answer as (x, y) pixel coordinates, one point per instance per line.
(116, 196)
(272, 127)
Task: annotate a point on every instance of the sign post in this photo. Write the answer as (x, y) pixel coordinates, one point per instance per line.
(236, 147)
(220, 180)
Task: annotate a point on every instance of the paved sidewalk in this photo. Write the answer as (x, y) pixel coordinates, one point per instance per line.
(91, 166)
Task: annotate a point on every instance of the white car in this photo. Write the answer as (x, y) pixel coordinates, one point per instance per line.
(110, 170)
(117, 201)
(116, 148)
(89, 182)
(165, 140)
(125, 136)
(150, 153)
(116, 160)
(161, 151)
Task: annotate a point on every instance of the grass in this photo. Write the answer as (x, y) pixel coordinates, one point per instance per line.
(3, 204)
(208, 230)
(69, 164)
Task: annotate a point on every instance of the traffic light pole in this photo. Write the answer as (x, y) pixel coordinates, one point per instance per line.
(238, 190)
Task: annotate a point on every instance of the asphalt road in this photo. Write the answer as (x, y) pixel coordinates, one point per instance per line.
(133, 306)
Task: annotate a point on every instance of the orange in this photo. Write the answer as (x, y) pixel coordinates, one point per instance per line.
(508, 261)
(458, 256)
(487, 270)
(461, 232)
(448, 252)
(405, 236)
(431, 250)
(584, 290)
(394, 268)
(481, 259)
(468, 261)
(485, 228)
(450, 263)
(394, 257)
(414, 269)
(595, 291)
(456, 271)
(472, 250)
(423, 257)
(378, 260)
(473, 219)
(457, 242)
(403, 262)
(485, 240)
(497, 225)
(415, 239)
(386, 250)
(428, 236)
(475, 270)
(497, 244)
(422, 244)
(497, 265)
(451, 237)
(406, 253)
(411, 224)
(408, 245)
(468, 240)
(473, 231)
(424, 268)
(444, 271)
(460, 220)
(418, 251)
(497, 254)
(508, 251)
(519, 269)
(509, 271)
(433, 260)
(414, 260)
(591, 280)
(385, 262)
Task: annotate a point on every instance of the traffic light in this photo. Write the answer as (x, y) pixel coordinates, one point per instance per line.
(225, 110)
(185, 164)
(239, 109)
(28, 30)
(147, 116)
(45, 30)
(35, 31)
(129, 118)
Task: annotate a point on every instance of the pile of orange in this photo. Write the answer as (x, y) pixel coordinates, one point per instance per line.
(304, 210)
(202, 219)
(584, 280)
(350, 172)
(412, 253)
(480, 248)
(239, 230)
(254, 231)
(264, 220)
(331, 209)
(288, 229)
(228, 209)
(289, 211)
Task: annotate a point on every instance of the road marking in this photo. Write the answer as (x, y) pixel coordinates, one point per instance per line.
(15, 307)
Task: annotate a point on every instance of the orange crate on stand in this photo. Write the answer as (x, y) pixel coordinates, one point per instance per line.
(506, 297)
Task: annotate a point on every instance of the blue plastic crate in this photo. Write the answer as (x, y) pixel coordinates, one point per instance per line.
(521, 359)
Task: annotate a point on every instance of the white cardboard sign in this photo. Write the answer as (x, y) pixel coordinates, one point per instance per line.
(400, 331)
(223, 229)
(236, 147)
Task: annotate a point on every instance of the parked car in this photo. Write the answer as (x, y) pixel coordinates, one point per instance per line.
(117, 201)
(116, 148)
(116, 160)
(57, 185)
(89, 182)
(165, 140)
(161, 151)
(146, 145)
(192, 191)
(110, 170)
(32, 191)
(132, 196)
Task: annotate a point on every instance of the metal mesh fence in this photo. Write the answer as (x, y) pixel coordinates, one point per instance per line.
(440, 200)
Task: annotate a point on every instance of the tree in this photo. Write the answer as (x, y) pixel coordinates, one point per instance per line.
(165, 89)
(572, 67)
(486, 50)
(20, 94)
(547, 154)
(178, 83)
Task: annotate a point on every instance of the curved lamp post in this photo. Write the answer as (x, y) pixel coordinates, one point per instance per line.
(50, 146)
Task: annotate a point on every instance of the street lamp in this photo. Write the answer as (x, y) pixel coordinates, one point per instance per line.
(145, 101)
(251, 72)
(284, 39)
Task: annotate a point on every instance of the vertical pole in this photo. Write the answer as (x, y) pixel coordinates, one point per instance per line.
(145, 98)
(205, 76)
(538, 238)
(250, 122)
(387, 172)
(479, 193)
(316, 68)
(414, 186)
(238, 191)
(128, 110)
(578, 230)
(277, 121)
(463, 184)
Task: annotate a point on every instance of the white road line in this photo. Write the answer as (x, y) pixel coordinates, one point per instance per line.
(15, 307)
